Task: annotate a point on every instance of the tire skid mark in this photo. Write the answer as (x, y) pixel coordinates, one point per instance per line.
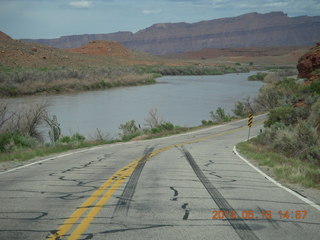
(133, 229)
(125, 200)
(187, 211)
(238, 224)
(209, 163)
(174, 198)
(218, 176)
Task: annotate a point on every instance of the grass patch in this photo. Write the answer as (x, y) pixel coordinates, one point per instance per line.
(29, 153)
(287, 169)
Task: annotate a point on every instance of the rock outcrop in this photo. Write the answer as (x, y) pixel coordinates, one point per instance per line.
(309, 64)
(248, 30)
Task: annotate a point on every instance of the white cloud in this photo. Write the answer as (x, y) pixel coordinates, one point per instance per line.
(276, 4)
(81, 4)
(146, 11)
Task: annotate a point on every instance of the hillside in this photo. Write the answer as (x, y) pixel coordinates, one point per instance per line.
(248, 30)
(16, 53)
(102, 48)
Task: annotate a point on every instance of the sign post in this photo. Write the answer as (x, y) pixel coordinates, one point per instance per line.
(250, 121)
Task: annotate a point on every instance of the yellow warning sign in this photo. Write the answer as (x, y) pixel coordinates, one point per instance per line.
(250, 120)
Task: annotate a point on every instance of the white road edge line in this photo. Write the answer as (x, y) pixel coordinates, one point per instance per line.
(119, 144)
(306, 200)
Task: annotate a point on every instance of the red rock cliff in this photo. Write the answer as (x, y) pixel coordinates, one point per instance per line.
(309, 63)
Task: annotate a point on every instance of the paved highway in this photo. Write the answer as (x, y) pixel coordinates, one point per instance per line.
(189, 186)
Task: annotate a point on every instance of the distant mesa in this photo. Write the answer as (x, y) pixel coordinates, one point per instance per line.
(102, 48)
(248, 30)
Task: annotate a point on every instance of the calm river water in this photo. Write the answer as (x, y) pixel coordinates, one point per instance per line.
(182, 100)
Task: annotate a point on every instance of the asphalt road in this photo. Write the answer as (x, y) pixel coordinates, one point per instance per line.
(190, 186)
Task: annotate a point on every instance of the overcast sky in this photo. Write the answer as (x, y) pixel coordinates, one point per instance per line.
(55, 18)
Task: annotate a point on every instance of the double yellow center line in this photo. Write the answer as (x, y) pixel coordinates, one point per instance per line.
(108, 188)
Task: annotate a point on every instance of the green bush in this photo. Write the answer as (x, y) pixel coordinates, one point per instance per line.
(240, 109)
(165, 126)
(128, 128)
(11, 141)
(65, 139)
(206, 122)
(77, 137)
(285, 115)
(220, 116)
(257, 77)
(315, 87)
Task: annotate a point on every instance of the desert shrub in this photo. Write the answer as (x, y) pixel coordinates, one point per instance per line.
(285, 141)
(269, 134)
(306, 134)
(299, 141)
(268, 98)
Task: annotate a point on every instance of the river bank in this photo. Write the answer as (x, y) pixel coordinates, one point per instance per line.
(18, 81)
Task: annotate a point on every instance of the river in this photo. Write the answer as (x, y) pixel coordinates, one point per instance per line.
(182, 100)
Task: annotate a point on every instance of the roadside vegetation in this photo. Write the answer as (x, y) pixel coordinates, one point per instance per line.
(32, 132)
(22, 134)
(290, 143)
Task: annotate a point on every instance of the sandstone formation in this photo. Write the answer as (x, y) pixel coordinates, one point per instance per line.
(309, 64)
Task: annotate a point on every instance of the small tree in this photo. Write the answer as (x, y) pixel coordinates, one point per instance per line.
(55, 130)
(153, 120)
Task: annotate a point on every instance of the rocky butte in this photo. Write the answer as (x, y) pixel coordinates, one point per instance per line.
(248, 30)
